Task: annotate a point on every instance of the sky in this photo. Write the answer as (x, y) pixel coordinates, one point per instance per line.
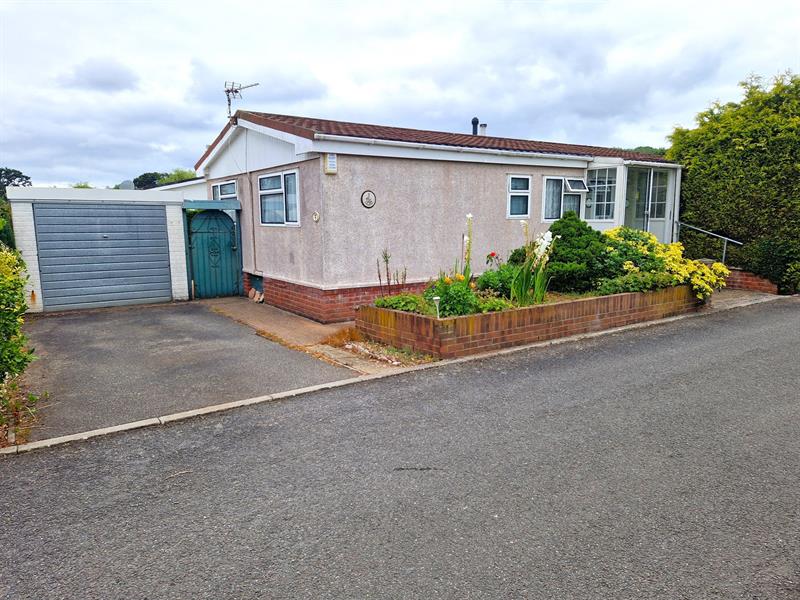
(102, 91)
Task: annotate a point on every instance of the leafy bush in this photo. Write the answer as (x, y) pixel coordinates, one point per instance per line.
(6, 233)
(628, 246)
(517, 256)
(635, 281)
(741, 177)
(456, 297)
(498, 280)
(634, 251)
(14, 356)
(791, 279)
(406, 302)
(493, 304)
(576, 262)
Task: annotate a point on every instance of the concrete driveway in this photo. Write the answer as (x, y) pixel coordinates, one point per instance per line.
(108, 367)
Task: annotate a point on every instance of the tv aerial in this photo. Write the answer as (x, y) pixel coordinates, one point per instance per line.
(233, 91)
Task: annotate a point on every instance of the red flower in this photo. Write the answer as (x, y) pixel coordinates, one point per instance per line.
(492, 254)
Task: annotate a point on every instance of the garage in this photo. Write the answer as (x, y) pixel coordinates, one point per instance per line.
(98, 248)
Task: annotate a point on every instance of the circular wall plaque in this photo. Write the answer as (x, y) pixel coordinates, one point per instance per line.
(368, 199)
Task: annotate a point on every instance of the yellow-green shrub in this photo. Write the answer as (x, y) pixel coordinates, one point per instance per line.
(14, 356)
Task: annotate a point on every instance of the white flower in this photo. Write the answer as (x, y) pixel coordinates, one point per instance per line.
(469, 215)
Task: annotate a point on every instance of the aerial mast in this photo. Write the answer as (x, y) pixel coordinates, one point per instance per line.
(233, 90)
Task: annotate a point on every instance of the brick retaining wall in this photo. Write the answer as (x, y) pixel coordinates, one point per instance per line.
(472, 334)
(744, 280)
(325, 306)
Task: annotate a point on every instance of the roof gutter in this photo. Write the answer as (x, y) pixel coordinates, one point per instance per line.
(423, 146)
(645, 163)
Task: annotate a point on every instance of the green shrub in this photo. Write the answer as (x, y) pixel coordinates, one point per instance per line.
(576, 262)
(6, 232)
(741, 177)
(628, 246)
(498, 280)
(517, 256)
(455, 296)
(14, 356)
(493, 304)
(634, 282)
(791, 279)
(406, 302)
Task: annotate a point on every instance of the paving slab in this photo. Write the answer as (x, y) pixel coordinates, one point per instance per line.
(107, 367)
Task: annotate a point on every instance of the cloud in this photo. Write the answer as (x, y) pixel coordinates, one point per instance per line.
(150, 97)
(102, 75)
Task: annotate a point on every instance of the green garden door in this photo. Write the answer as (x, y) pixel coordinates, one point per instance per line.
(215, 258)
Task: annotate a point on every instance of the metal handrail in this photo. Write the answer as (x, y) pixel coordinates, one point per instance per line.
(724, 239)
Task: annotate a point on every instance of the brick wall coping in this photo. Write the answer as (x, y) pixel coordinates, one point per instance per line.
(451, 337)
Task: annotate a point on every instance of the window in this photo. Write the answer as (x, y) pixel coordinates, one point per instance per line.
(278, 194)
(558, 200)
(576, 185)
(602, 191)
(519, 197)
(224, 191)
(658, 198)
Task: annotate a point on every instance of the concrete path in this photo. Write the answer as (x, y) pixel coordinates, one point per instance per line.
(655, 463)
(295, 332)
(112, 366)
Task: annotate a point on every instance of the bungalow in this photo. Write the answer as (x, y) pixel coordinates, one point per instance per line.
(321, 200)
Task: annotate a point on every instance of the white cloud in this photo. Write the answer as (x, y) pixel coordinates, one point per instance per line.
(105, 91)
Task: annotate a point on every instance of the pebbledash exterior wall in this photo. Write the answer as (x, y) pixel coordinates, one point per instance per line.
(473, 334)
(324, 269)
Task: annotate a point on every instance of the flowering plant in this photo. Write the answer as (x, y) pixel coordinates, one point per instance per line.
(529, 285)
(494, 260)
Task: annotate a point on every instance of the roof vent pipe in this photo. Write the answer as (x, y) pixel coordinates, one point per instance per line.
(483, 129)
(475, 122)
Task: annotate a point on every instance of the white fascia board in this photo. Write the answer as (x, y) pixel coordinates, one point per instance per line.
(301, 145)
(600, 162)
(178, 185)
(384, 148)
(52, 194)
(201, 168)
(645, 163)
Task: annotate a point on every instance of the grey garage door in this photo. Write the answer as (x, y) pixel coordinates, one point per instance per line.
(93, 255)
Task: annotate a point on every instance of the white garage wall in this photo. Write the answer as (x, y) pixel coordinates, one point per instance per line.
(23, 198)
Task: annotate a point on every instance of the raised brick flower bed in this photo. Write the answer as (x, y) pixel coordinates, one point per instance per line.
(471, 334)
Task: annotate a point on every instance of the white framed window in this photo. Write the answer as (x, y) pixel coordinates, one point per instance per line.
(224, 191)
(279, 198)
(658, 194)
(558, 199)
(602, 193)
(519, 197)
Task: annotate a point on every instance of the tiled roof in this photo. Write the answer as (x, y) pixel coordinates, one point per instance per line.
(308, 127)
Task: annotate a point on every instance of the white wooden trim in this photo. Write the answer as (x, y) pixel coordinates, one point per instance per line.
(510, 192)
(25, 237)
(41, 194)
(259, 191)
(220, 146)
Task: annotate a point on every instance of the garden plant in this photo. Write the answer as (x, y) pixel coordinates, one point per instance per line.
(17, 407)
(571, 259)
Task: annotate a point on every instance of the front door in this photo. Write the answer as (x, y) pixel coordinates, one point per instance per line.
(646, 205)
(637, 198)
(215, 259)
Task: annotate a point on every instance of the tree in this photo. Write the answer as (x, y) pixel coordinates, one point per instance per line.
(12, 177)
(146, 181)
(648, 150)
(9, 178)
(82, 185)
(741, 177)
(176, 176)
